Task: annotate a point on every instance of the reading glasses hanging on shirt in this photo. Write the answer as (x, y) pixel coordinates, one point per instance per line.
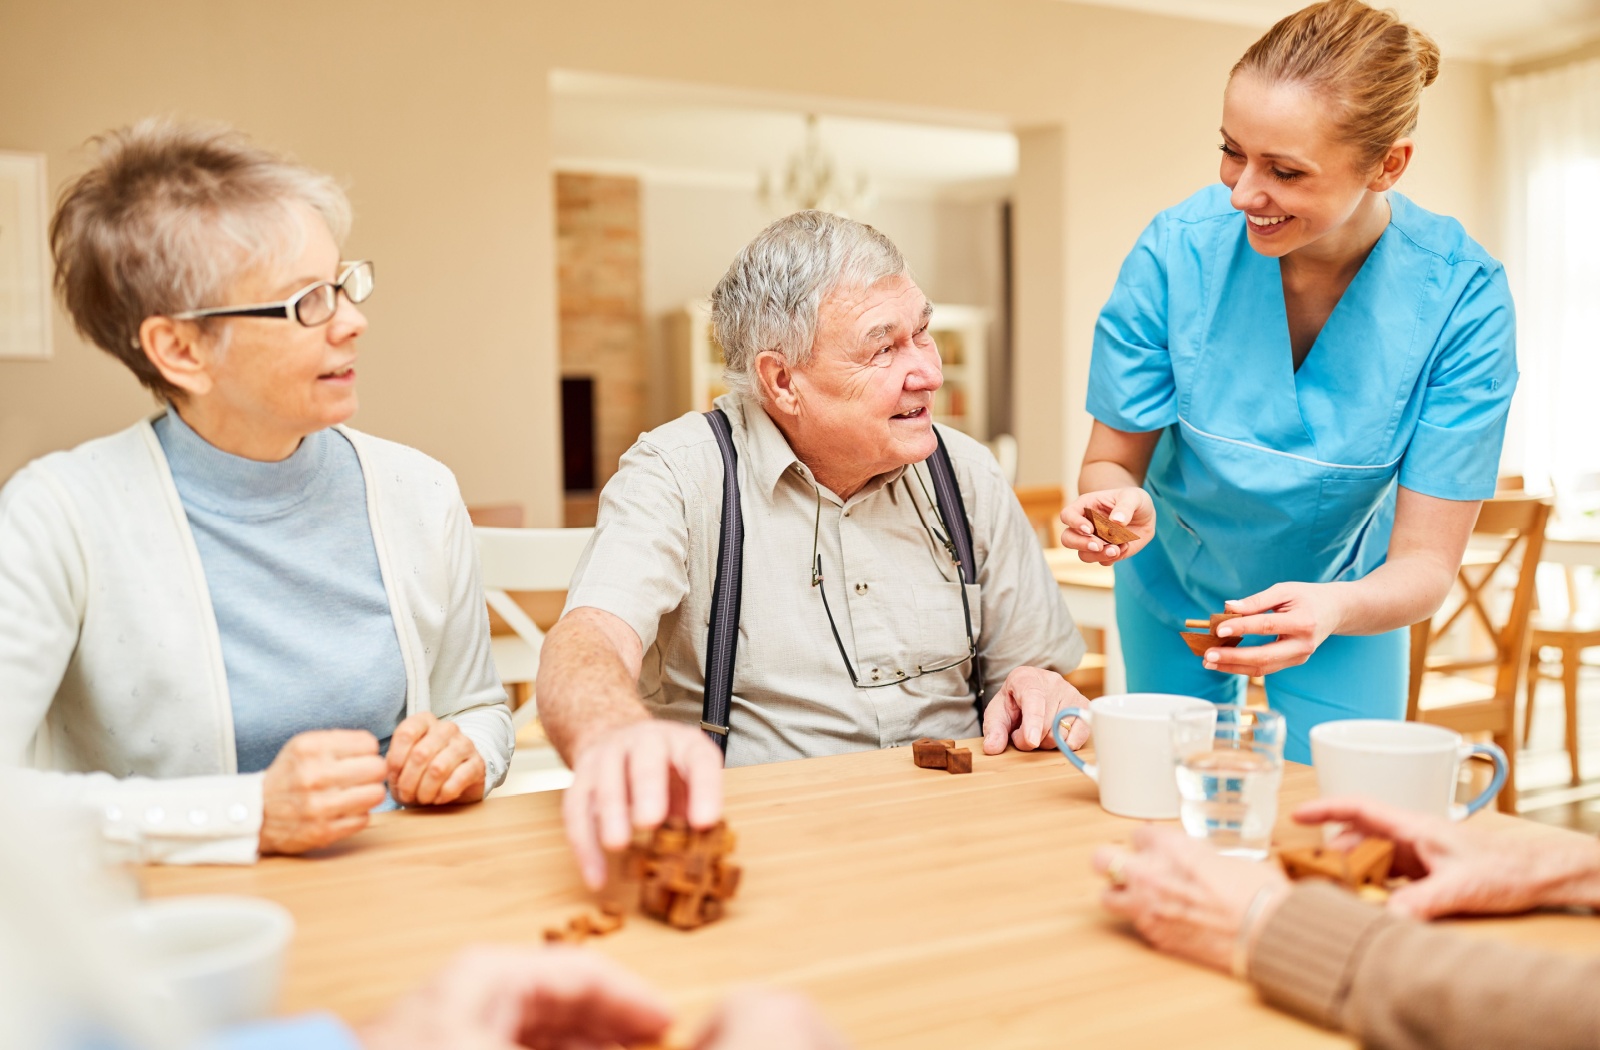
(312, 305)
(942, 539)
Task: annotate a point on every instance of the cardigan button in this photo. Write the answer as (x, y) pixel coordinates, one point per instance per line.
(238, 813)
(155, 815)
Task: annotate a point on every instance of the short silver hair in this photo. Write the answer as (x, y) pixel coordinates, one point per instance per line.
(168, 218)
(770, 297)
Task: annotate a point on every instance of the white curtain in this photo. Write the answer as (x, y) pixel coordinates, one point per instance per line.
(1549, 131)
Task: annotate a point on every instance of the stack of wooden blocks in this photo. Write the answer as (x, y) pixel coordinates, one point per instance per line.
(929, 753)
(684, 876)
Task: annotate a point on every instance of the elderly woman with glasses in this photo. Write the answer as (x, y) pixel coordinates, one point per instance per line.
(238, 627)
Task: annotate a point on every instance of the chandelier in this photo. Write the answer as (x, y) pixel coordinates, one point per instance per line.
(812, 180)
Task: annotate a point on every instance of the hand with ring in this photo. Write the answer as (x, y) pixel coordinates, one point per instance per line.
(1184, 897)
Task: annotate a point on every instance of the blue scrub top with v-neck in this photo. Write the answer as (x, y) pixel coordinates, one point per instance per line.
(1265, 474)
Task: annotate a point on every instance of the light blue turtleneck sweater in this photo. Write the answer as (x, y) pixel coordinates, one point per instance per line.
(307, 636)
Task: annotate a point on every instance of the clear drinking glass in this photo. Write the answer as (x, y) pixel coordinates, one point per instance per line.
(1230, 765)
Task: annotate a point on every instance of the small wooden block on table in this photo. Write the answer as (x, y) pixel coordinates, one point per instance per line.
(1365, 864)
(929, 753)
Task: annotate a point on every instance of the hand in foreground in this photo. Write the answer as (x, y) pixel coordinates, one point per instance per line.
(635, 776)
(753, 1018)
(1301, 615)
(496, 998)
(1183, 896)
(1024, 712)
(1461, 869)
(1130, 506)
(320, 789)
(432, 762)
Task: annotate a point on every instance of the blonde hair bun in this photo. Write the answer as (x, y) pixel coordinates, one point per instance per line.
(1370, 63)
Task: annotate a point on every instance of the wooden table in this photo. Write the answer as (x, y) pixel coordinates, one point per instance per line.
(919, 909)
(1088, 591)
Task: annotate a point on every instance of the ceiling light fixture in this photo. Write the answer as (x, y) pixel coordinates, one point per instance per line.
(812, 180)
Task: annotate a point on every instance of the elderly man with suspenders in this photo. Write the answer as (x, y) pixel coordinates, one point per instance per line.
(812, 568)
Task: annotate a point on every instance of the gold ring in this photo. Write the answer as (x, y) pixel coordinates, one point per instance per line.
(1114, 873)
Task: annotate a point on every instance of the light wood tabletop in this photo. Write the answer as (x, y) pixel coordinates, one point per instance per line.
(918, 908)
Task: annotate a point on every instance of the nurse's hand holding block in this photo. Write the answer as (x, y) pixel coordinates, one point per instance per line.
(1113, 468)
(1297, 616)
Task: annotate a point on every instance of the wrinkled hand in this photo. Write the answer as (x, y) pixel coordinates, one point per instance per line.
(1461, 869)
(1300, 615)
(432, 762)
(319, 789)
(1024, 712)
(1184, 897)
(635, 776)
(762, 1019)
(1130, 506)
(502, 997)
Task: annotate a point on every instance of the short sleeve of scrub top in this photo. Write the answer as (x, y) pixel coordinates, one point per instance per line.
(1455, 451)
(1131, 386)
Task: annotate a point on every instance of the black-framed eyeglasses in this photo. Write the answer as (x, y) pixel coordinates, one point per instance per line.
(312, 305)
(940, 538)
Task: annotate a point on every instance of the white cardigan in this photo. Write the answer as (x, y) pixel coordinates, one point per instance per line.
(111, 672)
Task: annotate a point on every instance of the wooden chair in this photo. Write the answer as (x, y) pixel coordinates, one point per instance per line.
(1568, 633)
(524, 560)
(1438, 693)
(1042, 504)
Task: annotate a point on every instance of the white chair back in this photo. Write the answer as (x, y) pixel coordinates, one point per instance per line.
(524, 560)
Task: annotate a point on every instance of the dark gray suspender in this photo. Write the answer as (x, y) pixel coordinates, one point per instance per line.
(722, 640)
(954, 512)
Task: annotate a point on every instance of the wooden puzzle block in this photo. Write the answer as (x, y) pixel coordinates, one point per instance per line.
(928, 753)
(685, 877)
(1199, 642)
(605, 923)
(958, 760)
(1368, 862)
(1108, 530)
(1365, 864)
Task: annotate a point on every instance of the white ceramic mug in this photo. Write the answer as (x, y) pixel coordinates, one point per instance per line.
(218, 958)
(1133, 751)
(1410, 765)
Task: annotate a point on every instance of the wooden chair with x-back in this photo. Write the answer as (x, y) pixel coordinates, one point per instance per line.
(1444, 689)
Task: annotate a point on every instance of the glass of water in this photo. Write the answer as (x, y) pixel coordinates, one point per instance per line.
(1230, 764)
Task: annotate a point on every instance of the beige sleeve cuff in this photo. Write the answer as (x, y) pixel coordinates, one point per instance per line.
(1307, 953)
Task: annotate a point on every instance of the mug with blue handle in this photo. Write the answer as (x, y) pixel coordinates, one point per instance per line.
(1409, 765)
(1133, 764)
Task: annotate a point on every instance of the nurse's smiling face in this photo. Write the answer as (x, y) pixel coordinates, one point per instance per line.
(1297, 182)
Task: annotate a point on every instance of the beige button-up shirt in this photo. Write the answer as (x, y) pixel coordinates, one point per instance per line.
(893, 588)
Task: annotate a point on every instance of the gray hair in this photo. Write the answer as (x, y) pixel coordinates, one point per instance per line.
(770, 296)
(169, 218)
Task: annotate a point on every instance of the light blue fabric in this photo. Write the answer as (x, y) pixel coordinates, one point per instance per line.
(1349, 676)
(320, 1031)
(1264, 474)
(307, 636)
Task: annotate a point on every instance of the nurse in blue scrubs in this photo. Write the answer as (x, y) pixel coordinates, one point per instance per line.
(1300, 386)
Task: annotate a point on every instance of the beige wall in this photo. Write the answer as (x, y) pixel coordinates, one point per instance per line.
(436, 116)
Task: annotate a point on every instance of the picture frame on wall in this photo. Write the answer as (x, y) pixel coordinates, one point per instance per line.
(24, 258)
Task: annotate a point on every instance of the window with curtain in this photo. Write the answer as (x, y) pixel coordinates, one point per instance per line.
(1549, 129)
